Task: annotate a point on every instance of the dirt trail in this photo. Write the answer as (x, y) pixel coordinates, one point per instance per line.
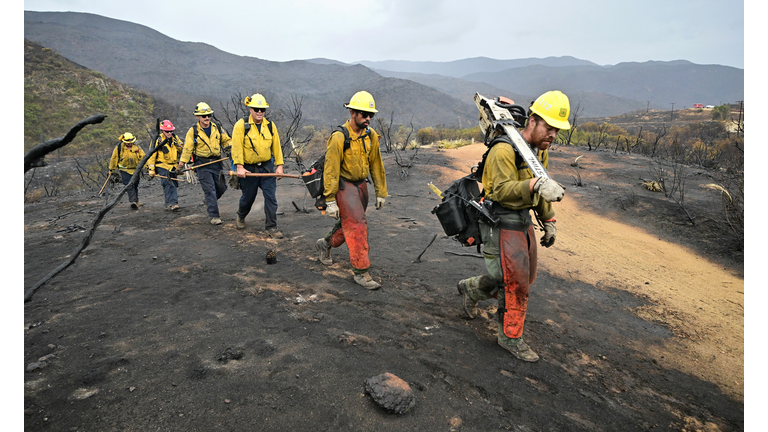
(168, 323)
(701, 301)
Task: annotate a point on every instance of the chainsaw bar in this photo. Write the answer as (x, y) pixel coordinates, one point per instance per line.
(499, 120)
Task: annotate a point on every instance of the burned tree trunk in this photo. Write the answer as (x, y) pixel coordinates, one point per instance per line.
(36, 156)
(96, 221)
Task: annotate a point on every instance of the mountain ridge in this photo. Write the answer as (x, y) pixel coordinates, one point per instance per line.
(440, 94)
(189, 72)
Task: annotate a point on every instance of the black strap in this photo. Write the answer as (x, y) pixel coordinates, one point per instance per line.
(520, 163)
(195, 135)
(348, 139)
(247, 128)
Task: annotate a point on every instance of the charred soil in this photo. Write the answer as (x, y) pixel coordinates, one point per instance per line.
(166, 322)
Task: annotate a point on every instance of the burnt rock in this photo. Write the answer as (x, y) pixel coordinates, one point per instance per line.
(36, 366)
(390, 392)
(271, 257)
(229, 354)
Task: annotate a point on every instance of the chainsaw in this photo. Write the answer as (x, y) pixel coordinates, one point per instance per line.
(497, 117)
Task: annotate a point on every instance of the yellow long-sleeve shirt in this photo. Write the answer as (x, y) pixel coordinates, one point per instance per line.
(508, 184)
(209, 147)
(129, 158)
(165, 160)
(362, 158)
(258, 146)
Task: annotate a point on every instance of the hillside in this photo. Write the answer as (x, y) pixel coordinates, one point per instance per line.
(457, 88)
(607, 91)
(189, 72)
(464, 67)
(429, 93)
(58, 93)
(168, 323)
(601, 91)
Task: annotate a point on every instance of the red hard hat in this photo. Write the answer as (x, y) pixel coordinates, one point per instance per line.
(166, 125)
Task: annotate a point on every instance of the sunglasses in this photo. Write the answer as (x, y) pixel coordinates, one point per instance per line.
(259, 109)
(205, 116)
(365, 114)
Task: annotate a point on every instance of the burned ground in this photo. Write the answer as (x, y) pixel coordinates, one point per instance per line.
(168, 323)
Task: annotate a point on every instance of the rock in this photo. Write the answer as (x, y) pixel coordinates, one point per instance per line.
(390, 392)
(36, 366)
(271, 257)
(229, 354)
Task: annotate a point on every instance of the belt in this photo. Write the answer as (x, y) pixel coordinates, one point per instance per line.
(203, 159)
(518, 220)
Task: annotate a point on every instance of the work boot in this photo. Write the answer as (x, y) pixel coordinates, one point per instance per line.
(365, 280)
(517, 347)
(175, 207)
(470, 305)
(274, 233)
(325, 251)
(135, 205)
(240, 223)
(216, 221)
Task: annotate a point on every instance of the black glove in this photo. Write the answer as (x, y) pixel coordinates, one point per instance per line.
(550, 232)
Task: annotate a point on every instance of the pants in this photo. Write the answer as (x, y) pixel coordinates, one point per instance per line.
(213, 189)
(352, 226)
(169, 186)
(133, 192)
(250, 187)
(511, 260)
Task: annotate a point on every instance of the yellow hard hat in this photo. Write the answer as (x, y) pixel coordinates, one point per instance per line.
(256, 101)
(554, 108)
(203, 109)
(362, 101)
(127, 137)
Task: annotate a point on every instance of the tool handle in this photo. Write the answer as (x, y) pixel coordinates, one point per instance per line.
(266, 175)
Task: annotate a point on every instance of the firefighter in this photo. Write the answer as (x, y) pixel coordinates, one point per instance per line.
(257, 151)
(510, 249)
(125, 158)
(346, 172)
(204, 142)
(163, 162)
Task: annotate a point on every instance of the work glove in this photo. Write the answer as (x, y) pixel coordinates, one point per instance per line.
(548, 189)
(332, 210)
(151, 174)
(550, 232)
(379, 203)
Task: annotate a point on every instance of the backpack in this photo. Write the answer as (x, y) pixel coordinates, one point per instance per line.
(460, 212)
(464, 205)
(313, 178)
(247, 126)
(195, 135)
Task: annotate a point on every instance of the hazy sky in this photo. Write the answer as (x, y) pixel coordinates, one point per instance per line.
(602, 31)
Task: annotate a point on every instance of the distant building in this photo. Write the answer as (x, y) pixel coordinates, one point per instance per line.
(710, 107)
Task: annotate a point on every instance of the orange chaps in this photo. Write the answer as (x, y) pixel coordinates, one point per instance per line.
(518, 263)
(352, 227)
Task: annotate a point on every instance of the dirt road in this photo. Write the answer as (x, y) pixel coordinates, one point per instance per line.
(168, 323)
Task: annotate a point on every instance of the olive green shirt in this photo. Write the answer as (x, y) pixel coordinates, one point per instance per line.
(508, 183)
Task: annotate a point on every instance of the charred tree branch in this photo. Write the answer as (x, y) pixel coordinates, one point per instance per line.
(95, 223)
(418, 258)
(36, 156)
